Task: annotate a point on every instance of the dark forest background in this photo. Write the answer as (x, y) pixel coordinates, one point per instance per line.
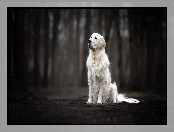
(48, 47)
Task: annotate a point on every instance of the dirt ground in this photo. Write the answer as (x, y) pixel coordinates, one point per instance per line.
(31, 109)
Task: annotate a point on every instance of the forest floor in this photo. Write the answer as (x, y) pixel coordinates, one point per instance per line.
(30, 109)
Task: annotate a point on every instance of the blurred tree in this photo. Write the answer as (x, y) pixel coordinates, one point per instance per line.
(119, 42)
(77, 46)
(85, 47)
(99, 20)
(108, 24)
(55, 45)
(71, 50)
(132, 16)
(46, 54)
(37, 23)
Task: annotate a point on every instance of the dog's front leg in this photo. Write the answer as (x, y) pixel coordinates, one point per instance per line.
(90, 95)
(90, 88)
(99, 101)
(95, 92)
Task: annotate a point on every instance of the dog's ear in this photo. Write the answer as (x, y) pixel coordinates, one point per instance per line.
(102, 43)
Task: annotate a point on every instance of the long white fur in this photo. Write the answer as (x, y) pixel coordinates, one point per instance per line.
(101, 90)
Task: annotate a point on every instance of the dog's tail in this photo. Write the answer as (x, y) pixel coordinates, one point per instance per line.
(121, 97)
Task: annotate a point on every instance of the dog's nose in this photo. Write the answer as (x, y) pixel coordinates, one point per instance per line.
(89, 45)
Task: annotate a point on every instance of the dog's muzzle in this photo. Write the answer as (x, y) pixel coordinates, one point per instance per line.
(89, 45)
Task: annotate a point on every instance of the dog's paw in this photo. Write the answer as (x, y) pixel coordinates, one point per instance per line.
(115, 102)
(89, 101)
(99, 102)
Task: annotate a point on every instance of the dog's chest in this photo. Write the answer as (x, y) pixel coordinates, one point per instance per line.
(96, 62)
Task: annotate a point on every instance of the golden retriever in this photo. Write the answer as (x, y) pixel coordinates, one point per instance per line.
(101, 90)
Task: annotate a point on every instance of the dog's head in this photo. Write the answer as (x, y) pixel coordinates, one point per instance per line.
(96, 42)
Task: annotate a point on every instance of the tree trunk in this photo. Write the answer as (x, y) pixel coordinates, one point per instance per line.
(119, 42)
(77, 52)
(132, 49)
(55, 46)
(36, 46)
(85, 47)
(99, 21)
(46, 57)
(108, 24)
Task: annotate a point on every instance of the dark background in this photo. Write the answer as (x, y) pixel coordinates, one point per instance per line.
(48, 47)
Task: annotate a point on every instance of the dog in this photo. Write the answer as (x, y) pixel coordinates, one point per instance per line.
(101, 90)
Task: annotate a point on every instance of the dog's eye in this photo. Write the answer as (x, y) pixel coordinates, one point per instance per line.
(95, 38)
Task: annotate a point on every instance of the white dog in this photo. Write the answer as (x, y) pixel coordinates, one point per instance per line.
(101, 90)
